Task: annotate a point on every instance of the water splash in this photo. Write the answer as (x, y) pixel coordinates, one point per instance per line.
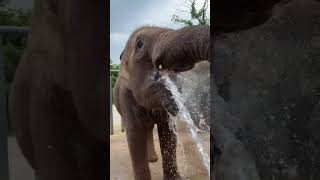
(173, 126)
(184, 115)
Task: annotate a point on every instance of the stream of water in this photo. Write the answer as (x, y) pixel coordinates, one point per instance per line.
(184, 117)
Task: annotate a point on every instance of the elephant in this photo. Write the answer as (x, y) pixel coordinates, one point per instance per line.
(271, 94)
(265, 110)
(141, 97)
(58, 100)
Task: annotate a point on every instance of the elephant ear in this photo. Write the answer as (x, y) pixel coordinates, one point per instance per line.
(121, 56)
(231, 16)
(122, 59)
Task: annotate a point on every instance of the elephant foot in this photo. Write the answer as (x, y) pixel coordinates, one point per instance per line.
(153, 157)
(173, 177)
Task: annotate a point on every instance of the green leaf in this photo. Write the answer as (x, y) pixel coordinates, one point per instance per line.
(198, 15)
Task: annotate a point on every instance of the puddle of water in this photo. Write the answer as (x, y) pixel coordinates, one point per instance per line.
(183, 123)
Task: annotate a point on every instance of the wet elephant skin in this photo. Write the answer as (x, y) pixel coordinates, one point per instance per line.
(58, 99)
(140, 95)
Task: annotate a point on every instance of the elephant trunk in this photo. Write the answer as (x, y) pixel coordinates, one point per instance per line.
(179, 50)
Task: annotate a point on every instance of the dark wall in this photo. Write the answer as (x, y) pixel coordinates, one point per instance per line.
(268, 111)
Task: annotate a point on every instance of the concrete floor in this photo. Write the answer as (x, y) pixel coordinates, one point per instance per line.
(189, 164)
(120, 163)
(19, 169)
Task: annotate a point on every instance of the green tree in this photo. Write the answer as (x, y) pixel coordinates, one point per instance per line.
(12, 55)
(13, 44)
(14, 17)
(196, 14)
(3, 3)
(114, 75)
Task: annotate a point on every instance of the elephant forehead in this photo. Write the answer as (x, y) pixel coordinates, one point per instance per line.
(147, 31)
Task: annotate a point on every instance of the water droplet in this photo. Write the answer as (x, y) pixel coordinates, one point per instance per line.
(184, 116)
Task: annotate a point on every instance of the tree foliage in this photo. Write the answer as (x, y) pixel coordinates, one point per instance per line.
(3, 3)
(12, 54)
(13, 44)
(199, 15)
(14, 17)
(114, 75)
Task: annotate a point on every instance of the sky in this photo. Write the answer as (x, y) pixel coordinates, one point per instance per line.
(128, 15)
(26, 4)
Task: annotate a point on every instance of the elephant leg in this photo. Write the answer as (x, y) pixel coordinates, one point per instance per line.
(168, 144)
(36, 177)
(19, 116)
(91, 157)
(95, 166)
(137, 142)
(152, 155)
(52, 158)
(52, 163)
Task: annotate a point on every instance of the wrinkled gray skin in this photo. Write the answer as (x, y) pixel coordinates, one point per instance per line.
(180, 52)
(59, 98)
(140, 96)
(271, 75)
(266, 105)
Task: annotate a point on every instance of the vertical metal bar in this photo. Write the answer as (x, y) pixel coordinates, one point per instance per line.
(4, 164)
(111, 114)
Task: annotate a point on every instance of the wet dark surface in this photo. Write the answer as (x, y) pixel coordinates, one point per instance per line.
(19, 169)
(270, 111)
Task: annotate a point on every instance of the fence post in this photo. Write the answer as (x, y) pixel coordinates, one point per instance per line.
(111, 114)
(4, 169)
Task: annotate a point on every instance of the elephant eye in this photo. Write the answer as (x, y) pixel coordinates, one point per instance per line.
(139, 43)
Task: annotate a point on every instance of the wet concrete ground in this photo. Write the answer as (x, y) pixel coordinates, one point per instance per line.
(19, 169)
(120, 162)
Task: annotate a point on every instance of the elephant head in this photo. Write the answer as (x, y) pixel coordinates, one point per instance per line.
(149, 49)
(179, 50)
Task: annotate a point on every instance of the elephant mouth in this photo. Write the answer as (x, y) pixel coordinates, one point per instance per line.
(159, 115)
(170, 106)
(164, 95)
(155, 95)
